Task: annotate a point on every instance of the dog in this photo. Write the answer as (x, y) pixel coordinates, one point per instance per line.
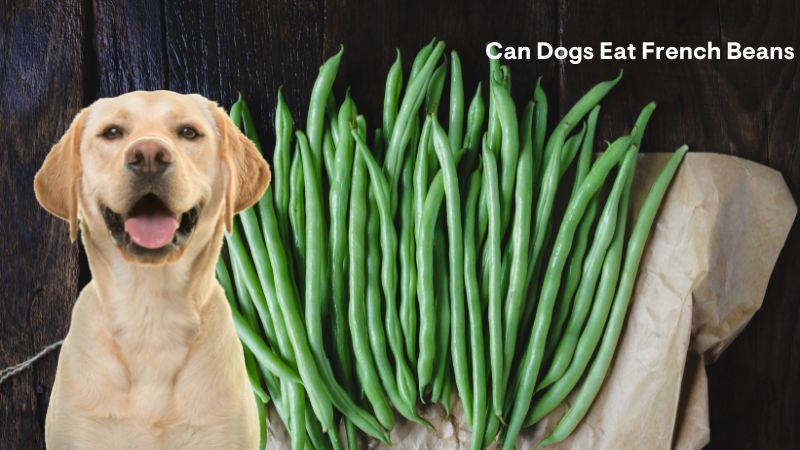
(151, 359)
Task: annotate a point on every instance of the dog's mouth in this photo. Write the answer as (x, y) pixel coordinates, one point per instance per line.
(150, 227)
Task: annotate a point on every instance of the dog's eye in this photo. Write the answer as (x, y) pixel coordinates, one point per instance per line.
(188, 133)
(112, 133)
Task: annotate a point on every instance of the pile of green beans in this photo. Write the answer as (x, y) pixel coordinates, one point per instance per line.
(430, 259)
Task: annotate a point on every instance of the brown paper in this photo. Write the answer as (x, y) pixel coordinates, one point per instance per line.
(703, 276)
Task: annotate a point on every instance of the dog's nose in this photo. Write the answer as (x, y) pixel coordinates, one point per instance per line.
(149, 157)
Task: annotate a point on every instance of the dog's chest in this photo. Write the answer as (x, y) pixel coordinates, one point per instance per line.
(155, 369)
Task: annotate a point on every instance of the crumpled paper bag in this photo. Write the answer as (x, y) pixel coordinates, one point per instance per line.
(703, 276)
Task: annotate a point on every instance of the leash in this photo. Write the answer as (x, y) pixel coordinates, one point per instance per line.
(10, 371)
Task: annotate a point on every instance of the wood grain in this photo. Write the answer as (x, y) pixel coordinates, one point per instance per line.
(220, 48)
(59, 56)
(42, 88)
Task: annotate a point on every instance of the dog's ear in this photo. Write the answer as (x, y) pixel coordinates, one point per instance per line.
(248, 172)
(56, 182)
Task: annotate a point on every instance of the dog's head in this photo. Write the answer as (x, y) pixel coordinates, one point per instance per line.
(146, 170)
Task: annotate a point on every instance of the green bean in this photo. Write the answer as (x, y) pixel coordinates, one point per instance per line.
(377, 334)
(427, 319)
(415, 93)
(250, 363)
(425, 280)
(435, 87)
(297, 215)
(297, 415)
(328, 153)
(594, 378)
(315, 240)
(419, 60)
(610, 237)
(566, 344)
(552, 158)
(248, 125)
(442, 314)
(571, 147)
(281, 161)
(477, 420)
(316, 107)
(540, 124)
(394, 84)
(245, 285)
(314, 260)
(447, 390)
(530, 370)
(539, 134)
(581, 108)
(294, 391)
(288, 307)
(332, 114)
(493, 129)
(251, 367)
(339, 194)
(456, 116)
(261, 410)
(456, 255)
(224, 279)
(236, 248)
(520, 237)
(261, 352)
(316, 439)
(357, 228)
(475, 116)
(509, 149)
(421, 175)
(408, 268)
(378, 145)
(495, 302)
(380, 188)
(573, 275)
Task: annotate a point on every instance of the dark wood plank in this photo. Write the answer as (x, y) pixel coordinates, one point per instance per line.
(744, 108)
(370, 32)
(129, 50)
(219, 49)
(759, 407)
(41, 47)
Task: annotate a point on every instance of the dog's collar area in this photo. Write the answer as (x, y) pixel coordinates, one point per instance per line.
(150, 208)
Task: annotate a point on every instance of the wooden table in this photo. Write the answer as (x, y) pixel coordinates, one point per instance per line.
(58, 56)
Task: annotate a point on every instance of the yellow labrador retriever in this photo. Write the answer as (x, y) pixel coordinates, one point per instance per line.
(151, 360)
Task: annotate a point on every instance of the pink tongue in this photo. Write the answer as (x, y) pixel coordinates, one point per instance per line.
(151, 231)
